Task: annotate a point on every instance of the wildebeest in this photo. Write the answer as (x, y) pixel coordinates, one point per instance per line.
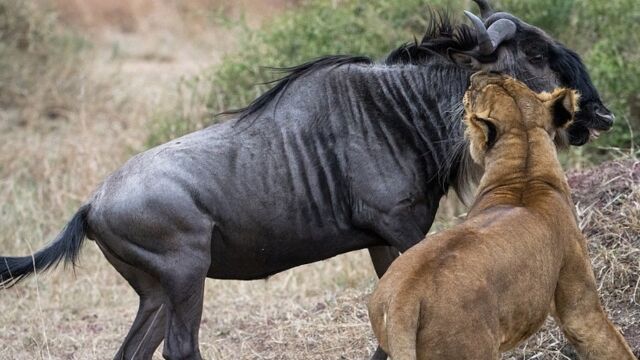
(341, 154)
(482, 287)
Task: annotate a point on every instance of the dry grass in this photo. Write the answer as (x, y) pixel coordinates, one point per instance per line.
(49, 165)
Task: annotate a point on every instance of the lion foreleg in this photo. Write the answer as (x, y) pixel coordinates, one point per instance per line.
(580, 314)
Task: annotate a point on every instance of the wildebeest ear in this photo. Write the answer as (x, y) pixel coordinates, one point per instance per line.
(488, 128)
(465, 60)
(563, 104)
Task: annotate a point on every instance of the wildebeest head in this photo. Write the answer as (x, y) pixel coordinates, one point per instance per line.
(505, 43)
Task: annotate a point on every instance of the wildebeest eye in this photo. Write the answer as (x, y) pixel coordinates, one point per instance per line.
(535, 51)
(536, 59)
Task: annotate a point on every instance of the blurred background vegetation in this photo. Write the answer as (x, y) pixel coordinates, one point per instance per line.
(605, 32)
(41, 62)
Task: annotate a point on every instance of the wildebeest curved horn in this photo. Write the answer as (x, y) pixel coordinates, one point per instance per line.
(503, 15)
(489, 39)
(485, 46)
(485, 8)
(501, 30)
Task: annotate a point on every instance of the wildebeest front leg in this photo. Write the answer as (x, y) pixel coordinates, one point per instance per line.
(379, 354)
(580, 314)
(401, 227)
(382, 257)
(404, 226)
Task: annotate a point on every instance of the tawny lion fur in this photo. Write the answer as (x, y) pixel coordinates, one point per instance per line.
(480, 288)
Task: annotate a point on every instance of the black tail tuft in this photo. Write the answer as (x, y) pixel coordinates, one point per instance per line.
(65, 247)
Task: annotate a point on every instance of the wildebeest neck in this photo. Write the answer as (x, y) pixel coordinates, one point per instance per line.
(408, 109)
(413, 106)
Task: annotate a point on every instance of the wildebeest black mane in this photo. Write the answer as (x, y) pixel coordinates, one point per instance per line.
(293, 73)
(441, 34)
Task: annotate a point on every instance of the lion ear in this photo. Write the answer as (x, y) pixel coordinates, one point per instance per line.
(485, 126)
(563, 104)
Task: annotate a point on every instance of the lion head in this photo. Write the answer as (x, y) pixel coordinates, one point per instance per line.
(497, 106)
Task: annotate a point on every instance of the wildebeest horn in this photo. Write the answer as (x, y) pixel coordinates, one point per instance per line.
(485, 8)
(489, 39)
(503, 15)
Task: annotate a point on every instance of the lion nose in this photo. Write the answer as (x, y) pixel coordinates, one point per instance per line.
(481, 79)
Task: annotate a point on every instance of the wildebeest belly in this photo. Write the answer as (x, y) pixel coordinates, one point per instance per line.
(250, 255)
(277, 200)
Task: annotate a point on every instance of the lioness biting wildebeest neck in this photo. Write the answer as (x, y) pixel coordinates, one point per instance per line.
(482, 287)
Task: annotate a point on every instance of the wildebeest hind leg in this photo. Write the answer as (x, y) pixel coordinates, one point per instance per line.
(184, 287)
(185, 292)
(148, 328)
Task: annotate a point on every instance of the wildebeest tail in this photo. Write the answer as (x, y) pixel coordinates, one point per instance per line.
(65, 247)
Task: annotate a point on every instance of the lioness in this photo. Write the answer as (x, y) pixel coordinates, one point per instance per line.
(482, 287)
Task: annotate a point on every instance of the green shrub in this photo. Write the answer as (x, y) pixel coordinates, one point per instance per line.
(605, 32)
